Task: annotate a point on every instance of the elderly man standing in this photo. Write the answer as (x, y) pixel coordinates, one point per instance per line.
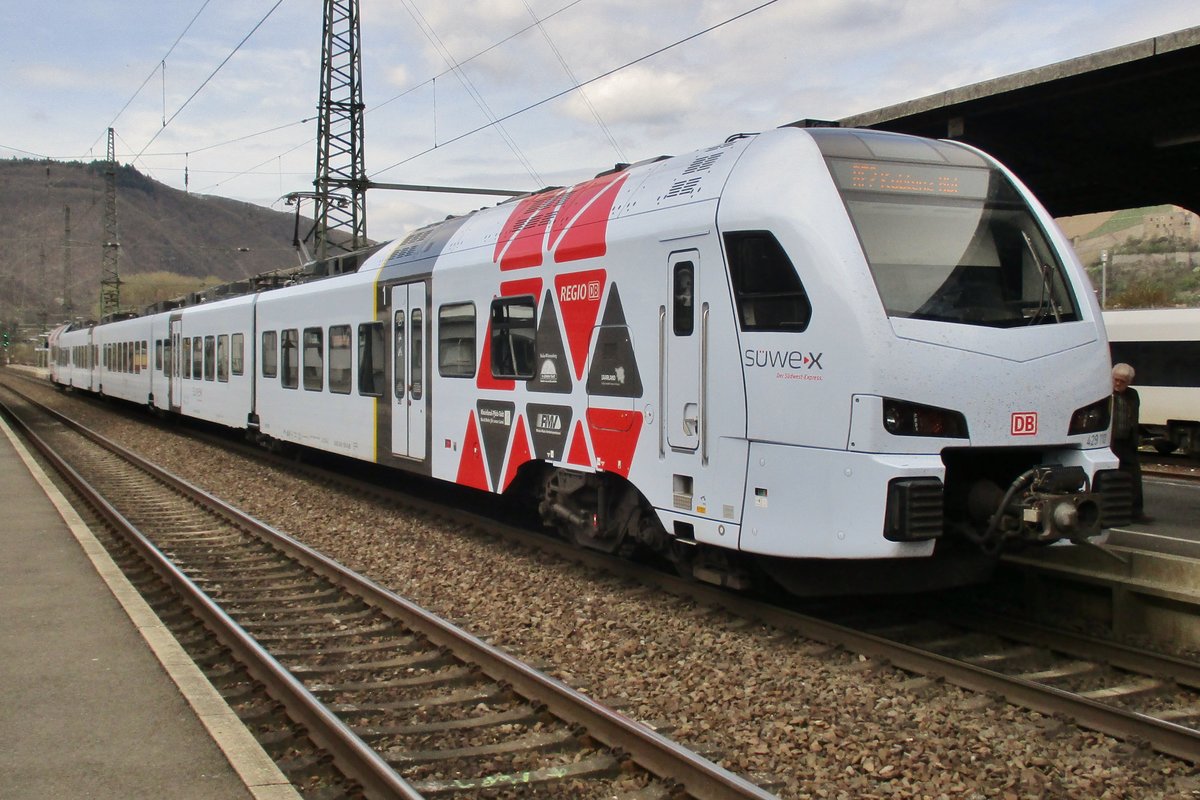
(1124, 444)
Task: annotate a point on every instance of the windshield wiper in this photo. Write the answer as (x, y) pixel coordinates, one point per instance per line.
(1047, 295)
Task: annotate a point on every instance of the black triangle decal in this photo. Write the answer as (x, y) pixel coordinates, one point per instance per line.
(553, 371)
(496, 420)
(614, 371)
(549, 426)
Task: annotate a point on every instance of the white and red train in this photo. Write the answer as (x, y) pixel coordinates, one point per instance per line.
(847, 359)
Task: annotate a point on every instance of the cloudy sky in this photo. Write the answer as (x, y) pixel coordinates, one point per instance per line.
(437, 72)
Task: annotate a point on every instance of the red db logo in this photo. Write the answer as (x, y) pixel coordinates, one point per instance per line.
(1024, 423)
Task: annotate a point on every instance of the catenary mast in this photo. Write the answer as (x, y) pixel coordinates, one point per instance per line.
(110, 275)
(341, 182)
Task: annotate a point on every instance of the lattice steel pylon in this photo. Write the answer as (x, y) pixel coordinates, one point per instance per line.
(340, 150)
(68, 307)
(110, 273)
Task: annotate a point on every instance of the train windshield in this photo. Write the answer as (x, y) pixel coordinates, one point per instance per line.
(953, 243)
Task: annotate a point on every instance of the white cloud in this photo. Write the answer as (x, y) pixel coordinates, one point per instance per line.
(638, 95)
(72, 71)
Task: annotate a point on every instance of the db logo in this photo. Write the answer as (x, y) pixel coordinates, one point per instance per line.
(1024, 423)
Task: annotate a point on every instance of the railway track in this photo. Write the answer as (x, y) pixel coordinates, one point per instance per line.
(406, 704)
(1184, 468)
(1143, 698)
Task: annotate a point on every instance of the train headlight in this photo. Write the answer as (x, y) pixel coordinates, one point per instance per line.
(1091, 418)
(912, 419)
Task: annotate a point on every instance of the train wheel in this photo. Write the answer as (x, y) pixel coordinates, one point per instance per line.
(587, 510)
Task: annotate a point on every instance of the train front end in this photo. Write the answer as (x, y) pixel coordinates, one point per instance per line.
(942, 392)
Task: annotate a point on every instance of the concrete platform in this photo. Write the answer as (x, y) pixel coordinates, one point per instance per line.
(97, 699)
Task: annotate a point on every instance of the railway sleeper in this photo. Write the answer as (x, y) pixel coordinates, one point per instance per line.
(602, 765)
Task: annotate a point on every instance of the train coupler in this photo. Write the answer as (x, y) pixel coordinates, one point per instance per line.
(1043, 505)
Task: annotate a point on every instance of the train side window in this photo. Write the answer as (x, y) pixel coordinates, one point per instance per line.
(514, 329)
(223, 358)
(289, 372)
(370, 359)
(210, 357)
(314, 356)
(270, 354)
(197, 357)
(340, 367)
(416, 348)
(185, 354)
(1160, 363)
(237, 353)
(145, 355)
(456, 340)
(766, 288)
(683, 290)
(158, 347)
(399, 371)
(167, 351)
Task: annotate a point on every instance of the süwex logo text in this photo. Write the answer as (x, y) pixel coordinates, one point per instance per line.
(793, 365)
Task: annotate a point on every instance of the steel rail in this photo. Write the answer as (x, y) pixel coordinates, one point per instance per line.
(1163, 736)
(698, 776)
(357, 760)
(1159, 665)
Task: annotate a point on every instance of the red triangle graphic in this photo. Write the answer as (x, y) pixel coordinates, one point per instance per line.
(471, 471)
(581, 224)
(615, 436)
(579, 450)
(521, 286)
(579, 295)
(519, 454)
(522, 240)
(587, 214)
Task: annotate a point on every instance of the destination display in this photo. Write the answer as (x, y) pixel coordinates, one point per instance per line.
(897, 177)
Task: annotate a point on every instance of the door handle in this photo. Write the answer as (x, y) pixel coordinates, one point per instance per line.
(691, 419)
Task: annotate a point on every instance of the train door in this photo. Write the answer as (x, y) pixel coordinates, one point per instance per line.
(174, 382)
(409, 370)
(682, 402)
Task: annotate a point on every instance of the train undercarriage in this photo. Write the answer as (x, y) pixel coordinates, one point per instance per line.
(980, 512)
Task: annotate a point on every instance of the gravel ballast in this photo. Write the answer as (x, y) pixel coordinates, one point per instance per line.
(814, 722)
